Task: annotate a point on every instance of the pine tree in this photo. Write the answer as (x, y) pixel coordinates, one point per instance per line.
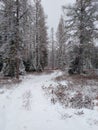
(82, 31)
(61, 39)
(41, 40)
(11, 39)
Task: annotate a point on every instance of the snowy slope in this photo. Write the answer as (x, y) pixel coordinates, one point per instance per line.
(25, 107)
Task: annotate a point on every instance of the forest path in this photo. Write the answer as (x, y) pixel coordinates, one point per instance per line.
(25, 107)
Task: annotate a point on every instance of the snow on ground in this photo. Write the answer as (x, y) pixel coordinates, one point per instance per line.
(25, 107)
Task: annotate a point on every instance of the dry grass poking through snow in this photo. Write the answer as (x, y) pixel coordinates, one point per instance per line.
(42, 73)
(9, 82)
(80, 91)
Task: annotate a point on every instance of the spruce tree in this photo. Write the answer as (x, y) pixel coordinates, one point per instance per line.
(82, 32)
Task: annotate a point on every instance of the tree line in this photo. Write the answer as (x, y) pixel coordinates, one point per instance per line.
(24, 42)
(23, 37)
(76, 37)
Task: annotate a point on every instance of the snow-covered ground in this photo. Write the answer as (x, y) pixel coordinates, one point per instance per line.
(25, 107)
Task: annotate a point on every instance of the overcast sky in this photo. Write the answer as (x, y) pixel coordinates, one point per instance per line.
(53, 9)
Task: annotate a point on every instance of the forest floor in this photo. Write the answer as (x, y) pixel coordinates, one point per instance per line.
(49, 101)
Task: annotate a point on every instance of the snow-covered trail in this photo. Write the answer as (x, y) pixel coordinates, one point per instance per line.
(24, 107)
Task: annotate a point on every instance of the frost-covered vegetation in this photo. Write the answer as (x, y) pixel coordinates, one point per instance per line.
(23, 37)
(27, 106)
(31, 65)
(74, 92)
(25, 46)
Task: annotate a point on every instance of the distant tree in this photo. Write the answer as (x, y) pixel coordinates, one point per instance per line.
(61, 39)
(41, 39)
(53, 51)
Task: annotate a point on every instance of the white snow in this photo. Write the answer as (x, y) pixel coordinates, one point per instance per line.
(25, 107)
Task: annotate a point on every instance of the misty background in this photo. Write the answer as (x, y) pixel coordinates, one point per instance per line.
(53, 10)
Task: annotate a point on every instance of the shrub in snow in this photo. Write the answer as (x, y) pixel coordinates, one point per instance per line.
(87, 102)
(71, 96)
(80, 101)
(76, 101)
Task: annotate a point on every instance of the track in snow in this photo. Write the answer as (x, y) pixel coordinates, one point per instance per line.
(24, 107)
